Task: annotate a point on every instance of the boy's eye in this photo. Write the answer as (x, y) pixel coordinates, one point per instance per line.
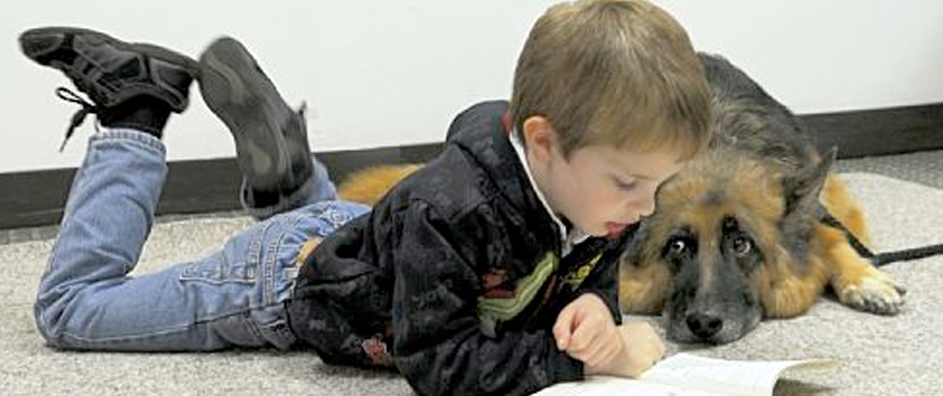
(624, 185)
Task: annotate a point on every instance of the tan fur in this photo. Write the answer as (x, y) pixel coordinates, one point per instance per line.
(785, 292)
(306, 249)
(642, 289)
(839, 202)
(368, 185)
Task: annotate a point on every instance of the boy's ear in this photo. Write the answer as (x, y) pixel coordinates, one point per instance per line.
(540, 139)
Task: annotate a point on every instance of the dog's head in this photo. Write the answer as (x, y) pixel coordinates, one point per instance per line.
(726, 229)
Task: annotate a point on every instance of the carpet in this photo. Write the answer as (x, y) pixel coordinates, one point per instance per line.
(877, 355)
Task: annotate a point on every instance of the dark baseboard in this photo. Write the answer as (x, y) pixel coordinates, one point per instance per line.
(864, 133)
(201, 186)
(213, 185)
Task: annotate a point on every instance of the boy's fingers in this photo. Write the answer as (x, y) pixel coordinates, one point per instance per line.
(594, 354)
(601, 347)
(606, 356)
(563, 327)
(584, 335)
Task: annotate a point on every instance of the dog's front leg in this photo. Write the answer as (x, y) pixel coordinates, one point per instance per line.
(856, 282)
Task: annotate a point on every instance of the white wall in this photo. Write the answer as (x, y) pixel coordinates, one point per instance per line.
(378, 73)
(833, 55)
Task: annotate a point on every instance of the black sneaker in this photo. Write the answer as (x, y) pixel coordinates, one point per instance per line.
(111, 71)
(271, 139)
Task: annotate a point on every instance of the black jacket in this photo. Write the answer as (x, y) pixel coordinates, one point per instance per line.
(454, 276)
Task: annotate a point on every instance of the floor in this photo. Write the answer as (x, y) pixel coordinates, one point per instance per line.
(924, 167)
(921, 167)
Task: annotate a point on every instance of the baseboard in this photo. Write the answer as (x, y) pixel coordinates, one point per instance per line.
(864, 133)
(201, 186)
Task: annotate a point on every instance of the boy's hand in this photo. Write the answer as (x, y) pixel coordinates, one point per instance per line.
(641, 349)
(586, 331)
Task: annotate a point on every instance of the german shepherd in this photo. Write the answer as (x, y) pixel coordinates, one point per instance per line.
(737, 235)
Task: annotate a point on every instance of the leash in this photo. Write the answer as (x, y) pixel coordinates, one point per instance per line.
(879, 259)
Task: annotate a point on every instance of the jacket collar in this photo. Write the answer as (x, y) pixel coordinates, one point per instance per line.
(483, 131)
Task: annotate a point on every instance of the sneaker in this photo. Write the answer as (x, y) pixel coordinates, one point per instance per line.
(111, 71)
(271, 139)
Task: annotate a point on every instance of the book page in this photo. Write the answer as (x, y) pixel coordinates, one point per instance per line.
(690, 375)
(728, 377)
(609, 386)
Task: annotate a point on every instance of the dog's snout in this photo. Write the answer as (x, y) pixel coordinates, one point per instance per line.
(704, 325)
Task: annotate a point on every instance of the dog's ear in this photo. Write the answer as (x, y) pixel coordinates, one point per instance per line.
(802, 204)
(803, 188)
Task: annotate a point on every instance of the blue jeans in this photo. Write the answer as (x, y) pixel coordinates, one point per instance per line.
(234, 297)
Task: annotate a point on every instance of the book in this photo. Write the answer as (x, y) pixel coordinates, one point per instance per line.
(685, 374)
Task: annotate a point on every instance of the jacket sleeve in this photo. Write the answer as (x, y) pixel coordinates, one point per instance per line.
(438, 346)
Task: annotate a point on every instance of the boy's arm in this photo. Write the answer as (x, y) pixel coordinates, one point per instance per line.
(438, 345)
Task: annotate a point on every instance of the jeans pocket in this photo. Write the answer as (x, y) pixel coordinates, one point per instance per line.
(237, 262)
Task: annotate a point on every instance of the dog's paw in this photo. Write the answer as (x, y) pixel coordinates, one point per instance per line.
(876, 293)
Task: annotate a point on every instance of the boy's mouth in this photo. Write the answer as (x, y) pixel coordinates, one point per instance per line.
(615, 229)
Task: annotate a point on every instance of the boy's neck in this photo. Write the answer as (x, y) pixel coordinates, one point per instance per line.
(569, 235)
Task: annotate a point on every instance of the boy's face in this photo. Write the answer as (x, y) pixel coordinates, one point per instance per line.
(600, 189)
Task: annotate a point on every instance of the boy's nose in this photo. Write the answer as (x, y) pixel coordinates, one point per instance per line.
(645, 207)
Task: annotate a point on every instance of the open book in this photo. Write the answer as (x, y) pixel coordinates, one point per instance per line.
(685, 374)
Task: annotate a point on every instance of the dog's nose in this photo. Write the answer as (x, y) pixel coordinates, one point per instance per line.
(704, 325)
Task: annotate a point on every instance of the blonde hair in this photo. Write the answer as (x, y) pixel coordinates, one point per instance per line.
(615, 72)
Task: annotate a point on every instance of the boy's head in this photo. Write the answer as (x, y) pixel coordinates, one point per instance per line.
(609, 100)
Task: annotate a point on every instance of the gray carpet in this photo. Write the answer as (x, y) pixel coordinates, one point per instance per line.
(924, 167)
(878, 355)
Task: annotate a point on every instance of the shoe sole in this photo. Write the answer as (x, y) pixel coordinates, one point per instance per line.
(40, 42)
(246, 101)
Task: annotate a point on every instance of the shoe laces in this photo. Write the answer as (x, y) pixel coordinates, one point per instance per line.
(79, 117)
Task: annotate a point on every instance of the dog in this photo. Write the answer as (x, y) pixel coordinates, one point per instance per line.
(738, 234)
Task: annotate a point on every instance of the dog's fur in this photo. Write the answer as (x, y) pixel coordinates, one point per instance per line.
(736, 235)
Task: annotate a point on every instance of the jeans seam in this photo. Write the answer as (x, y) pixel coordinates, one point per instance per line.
(75, 337)
(274, 265)
(254, 259)
(269, 261)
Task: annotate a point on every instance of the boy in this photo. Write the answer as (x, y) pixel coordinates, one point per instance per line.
(492, 270)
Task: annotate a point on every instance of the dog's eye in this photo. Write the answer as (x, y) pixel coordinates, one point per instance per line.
(742, 246)
(677, 247)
